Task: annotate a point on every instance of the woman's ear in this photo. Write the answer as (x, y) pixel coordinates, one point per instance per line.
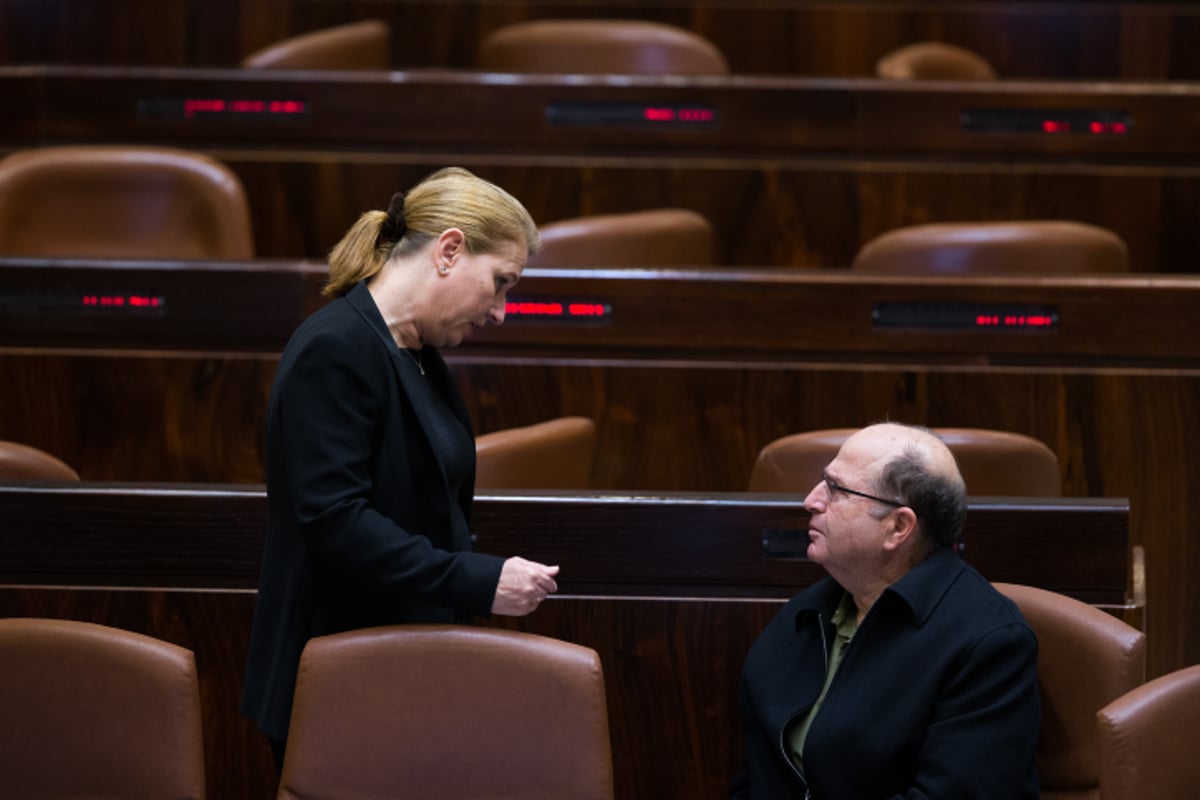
(447, 248)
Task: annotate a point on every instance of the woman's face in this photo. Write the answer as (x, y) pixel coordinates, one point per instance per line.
(473, 289)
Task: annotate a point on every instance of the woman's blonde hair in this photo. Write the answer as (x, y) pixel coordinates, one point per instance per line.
(488, 216)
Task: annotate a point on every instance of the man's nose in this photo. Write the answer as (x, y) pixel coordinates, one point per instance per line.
(816, 498)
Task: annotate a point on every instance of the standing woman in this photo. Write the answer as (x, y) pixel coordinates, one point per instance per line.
(370, 452)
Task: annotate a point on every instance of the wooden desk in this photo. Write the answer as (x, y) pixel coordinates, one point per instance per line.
(671, 590)
(689, 375)
(791, 171)
(735, 117)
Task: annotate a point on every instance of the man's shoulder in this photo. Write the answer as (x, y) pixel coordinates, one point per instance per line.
(982, 605)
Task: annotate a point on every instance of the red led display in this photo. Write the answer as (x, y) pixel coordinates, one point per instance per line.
(554, 309)
(632, 115)
(965, 317)
(112, 301)
(207, 106)
(1058, 122)
(1014, 321)
(667, 114)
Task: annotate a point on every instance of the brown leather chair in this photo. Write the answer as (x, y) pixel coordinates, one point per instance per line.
(1033, 247)
(599, 46)
(1086, 659)
(20, 462)
(447, 712)
(108, 201)
(1146, 747)
(93, 711)
(663, 237)
(555, 454)
(993, 463)
(934, 61)
(363, 45)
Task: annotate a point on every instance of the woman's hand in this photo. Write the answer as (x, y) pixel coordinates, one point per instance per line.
(523, 584)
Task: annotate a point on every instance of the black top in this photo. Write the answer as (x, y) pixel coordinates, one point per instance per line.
(370, 475)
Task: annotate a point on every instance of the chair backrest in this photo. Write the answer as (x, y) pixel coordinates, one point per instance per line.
(1146, 747)
(363, 45)
(934, 61)
(1031, 247)
(599, 46)
(93, 711)
(555, 454)
(20, 462)
(662, 237)
(447, 712)
(108, 201)
(991, 462)
(1086, 659)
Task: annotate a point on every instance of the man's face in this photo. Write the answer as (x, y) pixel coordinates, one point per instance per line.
(847, 530)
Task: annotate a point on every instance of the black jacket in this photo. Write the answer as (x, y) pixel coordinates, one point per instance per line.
(359, 524)
(936, 696)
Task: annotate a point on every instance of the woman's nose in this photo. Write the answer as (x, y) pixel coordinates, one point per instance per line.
(496, 314)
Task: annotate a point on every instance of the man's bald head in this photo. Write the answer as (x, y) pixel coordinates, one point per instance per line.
(916, 468)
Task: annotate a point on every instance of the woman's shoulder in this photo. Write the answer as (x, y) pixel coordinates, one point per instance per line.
(336, 321)
(336, 334)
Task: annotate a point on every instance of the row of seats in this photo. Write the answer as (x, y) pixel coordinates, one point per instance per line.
(94, 711)
(558, 453)
(591, 46)
(134, 727)
(162, 203)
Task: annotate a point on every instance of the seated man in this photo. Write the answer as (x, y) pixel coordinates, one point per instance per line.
(903, 674)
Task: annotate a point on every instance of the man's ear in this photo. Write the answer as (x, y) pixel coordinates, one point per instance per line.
(902, 530)
(447, 249)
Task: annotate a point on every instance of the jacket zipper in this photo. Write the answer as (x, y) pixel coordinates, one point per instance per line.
(782, 746)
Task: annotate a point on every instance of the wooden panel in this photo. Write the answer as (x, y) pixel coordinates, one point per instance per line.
(705, 314)
(225, 306)
(196, 536)
(183, 417)
(1134, 39)
(671, 591)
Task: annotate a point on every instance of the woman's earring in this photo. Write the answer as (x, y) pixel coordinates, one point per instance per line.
(443, 270)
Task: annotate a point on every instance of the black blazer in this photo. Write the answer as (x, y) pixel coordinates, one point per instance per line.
(360, 529)
(936, 695)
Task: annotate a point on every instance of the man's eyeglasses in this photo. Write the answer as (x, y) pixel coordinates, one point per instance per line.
(835, 487)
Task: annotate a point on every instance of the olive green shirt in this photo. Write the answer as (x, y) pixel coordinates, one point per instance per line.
(845, 621)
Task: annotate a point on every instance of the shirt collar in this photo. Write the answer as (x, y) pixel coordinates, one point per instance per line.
(923, 586)
(920, 589)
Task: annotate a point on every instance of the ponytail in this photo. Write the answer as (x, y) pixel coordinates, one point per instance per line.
(359, 255)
